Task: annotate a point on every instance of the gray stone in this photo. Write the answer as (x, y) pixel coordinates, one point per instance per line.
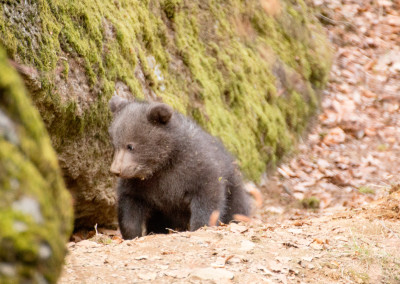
(44, 251)
(7, 129)
(29, 206)
(7, 269)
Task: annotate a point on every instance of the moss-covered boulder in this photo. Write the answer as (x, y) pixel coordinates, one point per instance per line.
(248, 71)
(35, 207)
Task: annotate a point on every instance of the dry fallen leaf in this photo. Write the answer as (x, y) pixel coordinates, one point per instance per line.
(368, 94)
(117, 239)
(219, 263)
(339, 179)
(335, 263)
(241, 218)
(299, 223)
(235, 228)
(308, 258)
(286, 171)
(370, 64)
(320, 241)
(334, 136)
(370, 131)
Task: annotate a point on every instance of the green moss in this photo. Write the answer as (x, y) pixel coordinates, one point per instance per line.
(66, 70)
(29, 173)
(170, 7)
(21, 248)
(311, 202)
(382, 147)
(366, 190)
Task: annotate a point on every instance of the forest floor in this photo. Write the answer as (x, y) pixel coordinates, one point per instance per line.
(331, 214)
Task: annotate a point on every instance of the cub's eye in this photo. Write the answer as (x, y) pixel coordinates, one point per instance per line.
(129, 147)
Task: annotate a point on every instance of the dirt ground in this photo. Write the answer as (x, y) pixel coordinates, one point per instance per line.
(353, 246)
(331, 213)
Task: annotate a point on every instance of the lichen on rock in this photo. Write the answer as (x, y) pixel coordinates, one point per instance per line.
(35, 207)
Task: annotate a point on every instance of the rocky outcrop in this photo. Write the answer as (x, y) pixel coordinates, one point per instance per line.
(35, 207)
(247, 71)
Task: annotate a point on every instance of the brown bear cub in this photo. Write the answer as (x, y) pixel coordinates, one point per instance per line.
(172, 174)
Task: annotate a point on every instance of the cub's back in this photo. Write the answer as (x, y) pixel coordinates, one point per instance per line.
(205, 148)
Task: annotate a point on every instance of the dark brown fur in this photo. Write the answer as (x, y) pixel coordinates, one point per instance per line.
(172, 173)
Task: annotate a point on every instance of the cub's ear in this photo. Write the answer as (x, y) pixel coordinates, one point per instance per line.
(159, 113)
(117, 103)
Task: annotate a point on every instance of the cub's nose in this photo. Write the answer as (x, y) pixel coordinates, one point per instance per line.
(115, 171)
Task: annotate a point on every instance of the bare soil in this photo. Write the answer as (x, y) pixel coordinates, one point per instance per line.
(331, 214)
(355, 246)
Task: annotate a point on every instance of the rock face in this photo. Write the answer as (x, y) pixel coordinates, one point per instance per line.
(35, 207)
(247, 71)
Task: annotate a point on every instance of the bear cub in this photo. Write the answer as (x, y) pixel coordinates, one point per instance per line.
(172, 174)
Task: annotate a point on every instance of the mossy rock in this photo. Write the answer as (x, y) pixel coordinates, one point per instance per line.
(247, 71)
(35, 207)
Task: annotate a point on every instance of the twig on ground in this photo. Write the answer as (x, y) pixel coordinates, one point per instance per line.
(172, 231)
(387, 228)
(332, 21)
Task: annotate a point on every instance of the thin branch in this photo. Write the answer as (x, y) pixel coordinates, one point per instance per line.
(387, 228)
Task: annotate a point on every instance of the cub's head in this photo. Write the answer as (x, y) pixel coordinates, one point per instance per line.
(141, 136)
